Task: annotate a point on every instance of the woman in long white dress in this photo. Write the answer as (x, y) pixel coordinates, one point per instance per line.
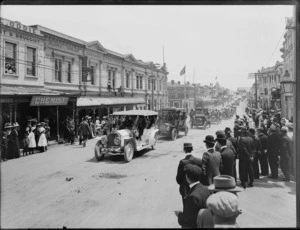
(42, 140)
(32, 143)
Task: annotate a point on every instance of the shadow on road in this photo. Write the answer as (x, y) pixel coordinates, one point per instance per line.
(108, 160)
(266, 182)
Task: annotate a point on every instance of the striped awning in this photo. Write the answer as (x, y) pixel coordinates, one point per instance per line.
(98, 101)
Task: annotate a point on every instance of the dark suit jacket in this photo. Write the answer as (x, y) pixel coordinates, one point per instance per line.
(228, 161)
(180, 178)
(195, 201)
(84, 128)
(246, 147)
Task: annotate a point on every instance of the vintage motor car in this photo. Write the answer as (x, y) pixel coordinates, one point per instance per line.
(199, 118)
(171, 121)
(134, 130)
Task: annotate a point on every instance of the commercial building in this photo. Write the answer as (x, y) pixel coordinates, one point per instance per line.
(48, 74)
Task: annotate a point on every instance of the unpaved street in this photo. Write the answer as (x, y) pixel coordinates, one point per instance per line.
(115, 194)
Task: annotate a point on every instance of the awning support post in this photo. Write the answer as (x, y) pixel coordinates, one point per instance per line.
(57, 122)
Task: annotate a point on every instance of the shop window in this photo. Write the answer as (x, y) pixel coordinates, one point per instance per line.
(10, 58)
(69, 71)
(127, 80)
(58, 70)
(31, 54)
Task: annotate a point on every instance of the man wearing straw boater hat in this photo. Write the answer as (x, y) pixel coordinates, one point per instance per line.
(180, 177)
(222, 206)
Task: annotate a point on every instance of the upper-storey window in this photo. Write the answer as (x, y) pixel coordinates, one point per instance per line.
(10, 58)
(31, 64)
(58, 70)
(127, 80)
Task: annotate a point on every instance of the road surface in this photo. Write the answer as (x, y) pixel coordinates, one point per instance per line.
(115, 194)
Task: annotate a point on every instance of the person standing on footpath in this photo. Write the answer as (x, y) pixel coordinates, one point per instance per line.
(32, 143)
(285, 154)
(246, 151)
(227, 156)
(84, 130)
(180, 177)
(47, 127)
(42, 140)
(257, 152)
(263, 158)
(13, 142)
(273, 149)
(211, 161)
(234, 142)
(195, 200)
(4, 144)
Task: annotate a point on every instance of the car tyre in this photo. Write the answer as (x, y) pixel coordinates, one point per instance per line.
(174, 134)
(98, 154)
(128, 152)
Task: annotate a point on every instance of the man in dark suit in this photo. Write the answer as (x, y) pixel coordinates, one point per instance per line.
(227, 155)
(84, 130)
(195, 200)
(180, 177)
(234, 142)
(273, 151)
(257, 152)
(246, 152)
(285, 154)
(263, 159)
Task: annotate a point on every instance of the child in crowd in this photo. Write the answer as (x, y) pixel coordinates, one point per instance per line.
(25, 144)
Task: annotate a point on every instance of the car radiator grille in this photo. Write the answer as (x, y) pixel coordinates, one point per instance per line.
(110, 139)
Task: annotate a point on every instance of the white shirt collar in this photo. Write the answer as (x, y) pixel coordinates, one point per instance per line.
(193, 184)
(210, 148)
(223, 147)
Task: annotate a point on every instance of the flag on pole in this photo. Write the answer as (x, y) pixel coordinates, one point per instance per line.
(182, 71)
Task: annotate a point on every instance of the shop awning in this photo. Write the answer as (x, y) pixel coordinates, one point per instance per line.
(20, 90)
(98, 101)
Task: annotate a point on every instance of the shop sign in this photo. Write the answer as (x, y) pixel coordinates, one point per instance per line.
(13, 100)
(19, 26)
(63, 45)
(48, 100)
(20, 36)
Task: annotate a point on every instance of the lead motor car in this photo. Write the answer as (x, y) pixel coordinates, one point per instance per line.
(172, 121)
(133, 131)
(200, 118)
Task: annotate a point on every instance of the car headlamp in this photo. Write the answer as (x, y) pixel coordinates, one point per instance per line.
(104, 140)
(117, 141)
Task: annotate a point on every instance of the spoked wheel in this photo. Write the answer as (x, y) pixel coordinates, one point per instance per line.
(128, 152)
(155, 141)
(99, 154)
(174, 134)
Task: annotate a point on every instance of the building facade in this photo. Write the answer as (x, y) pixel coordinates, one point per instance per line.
(268, 81)
(288, 55)
(48, 74)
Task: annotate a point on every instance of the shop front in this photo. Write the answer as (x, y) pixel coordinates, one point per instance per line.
(56, 109)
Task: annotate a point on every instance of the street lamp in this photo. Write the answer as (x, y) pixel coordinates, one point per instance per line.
(287, 85)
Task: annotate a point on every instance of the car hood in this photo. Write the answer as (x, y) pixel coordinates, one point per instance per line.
(124, 132)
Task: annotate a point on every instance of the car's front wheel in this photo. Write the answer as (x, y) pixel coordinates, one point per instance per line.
(174, 134)
(128, 152)
(99, 154)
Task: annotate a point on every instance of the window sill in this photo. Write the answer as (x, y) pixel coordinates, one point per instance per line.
(31, 77)
(11, 75)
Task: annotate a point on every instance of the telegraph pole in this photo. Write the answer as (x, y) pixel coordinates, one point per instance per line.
(251, 76)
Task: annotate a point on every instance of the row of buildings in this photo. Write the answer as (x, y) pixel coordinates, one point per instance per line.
(48, 74)
(270, 95)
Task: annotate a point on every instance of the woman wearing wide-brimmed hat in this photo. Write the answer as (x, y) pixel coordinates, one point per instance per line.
(32, 142)
(13, 142)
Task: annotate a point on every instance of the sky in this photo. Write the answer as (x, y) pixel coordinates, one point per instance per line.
(213, 42)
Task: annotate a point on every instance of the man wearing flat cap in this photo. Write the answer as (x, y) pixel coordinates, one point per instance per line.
(246, 154)
(211, 161)
(195, 200)
(180, 177)
(273, 149)
(285, 154)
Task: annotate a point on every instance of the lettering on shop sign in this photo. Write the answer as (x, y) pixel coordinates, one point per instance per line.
(20, 36)
(56, 43)
(48, 101)
(19, 26)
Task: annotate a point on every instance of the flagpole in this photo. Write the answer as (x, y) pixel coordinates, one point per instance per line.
(184, 88)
